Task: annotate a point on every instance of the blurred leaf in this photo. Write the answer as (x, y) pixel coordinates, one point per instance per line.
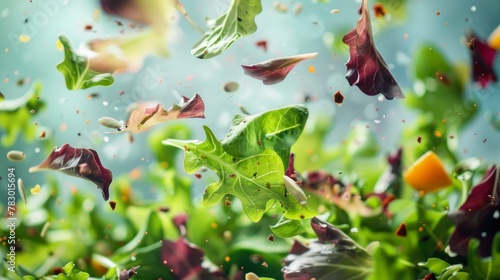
(483, 59)
(255, 180)
(478, 217)
(484, 268)
(237, 22)
(15, 115)
(276, 129)
(333, 256)
(77, 72)
(165, 153)
(384, 257)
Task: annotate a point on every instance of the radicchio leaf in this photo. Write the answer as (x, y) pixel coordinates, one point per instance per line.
(142, 119)
(78, 162)
(479, 216)
(366, 68)
(273, 71)
(483, 57)
(333, 256)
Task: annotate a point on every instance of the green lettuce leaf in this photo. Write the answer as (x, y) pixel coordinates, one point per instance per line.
(484, 268)
(237, 22)
(277, 130)
(255, 180)
(77, 72)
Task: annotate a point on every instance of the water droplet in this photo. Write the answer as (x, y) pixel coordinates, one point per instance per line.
(473, 8)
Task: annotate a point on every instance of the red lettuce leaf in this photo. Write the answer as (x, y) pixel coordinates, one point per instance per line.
(144, 118)
(78, 162)
(333, 256)
(483, 57)
(478, 217)
(184, 258)
(273, 71)
(366, 68)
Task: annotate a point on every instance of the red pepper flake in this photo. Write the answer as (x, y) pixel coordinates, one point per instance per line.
(262, 44)
(379, 10)
(88, 27)
(227, 202)
(270, 237)
(198, 176)
(119, 23)
(484, 140)
(338, 97)
(401, 230)
(42, 135)
(112, 204)
(264, 264)
(419, 139)
(438, 13)
(122, 92)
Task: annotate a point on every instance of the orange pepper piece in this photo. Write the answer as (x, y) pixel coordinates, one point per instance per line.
(427, 174)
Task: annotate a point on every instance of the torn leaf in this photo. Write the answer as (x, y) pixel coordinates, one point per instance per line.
(483, 57)
(77, 72)
(142, 119)
(236, 22)
(366, 68)
(273, 71)
(78, 162)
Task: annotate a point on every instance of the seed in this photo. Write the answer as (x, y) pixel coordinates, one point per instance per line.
(335, 11)
(231, 86)
(110, 122)
(16, 156)
(297, 9)
(20, 187)
(295, 190)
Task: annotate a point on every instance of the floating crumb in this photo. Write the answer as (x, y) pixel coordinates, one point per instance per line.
(264, 264)
(44, 229)
(338, 97)
(484, 140)
(280, 7)
(401, 230)
(88, 27)
(270, 237)
(32, 111)
(419, 139)
(231, 87)
(112, 204)
(35, 190)
(311, 69)
(244, 110)
(335, 11)
(379, 10)
(24, 38)
(16, 156)
(164, 209)
(298, 8)
(262, 44)
(438, 13)
(227, 202)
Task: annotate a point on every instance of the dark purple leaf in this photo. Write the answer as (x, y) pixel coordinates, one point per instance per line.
(390, 181)
(334, 256)
(180, 221)
(145, 12)
(478, 217)
(366, 68)
(290, 171)
(184, 261)
(483, 57)
(78, 162)
(273, 71)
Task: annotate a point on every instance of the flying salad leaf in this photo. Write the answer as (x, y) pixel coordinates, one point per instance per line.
(77, 72)
(255, 180)
(366, 68)
(478, 217)
(78, 162)
(333, 256)
(483, 58)
(276, 129)
(142, 119)
(273, 71)
(237, 22)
